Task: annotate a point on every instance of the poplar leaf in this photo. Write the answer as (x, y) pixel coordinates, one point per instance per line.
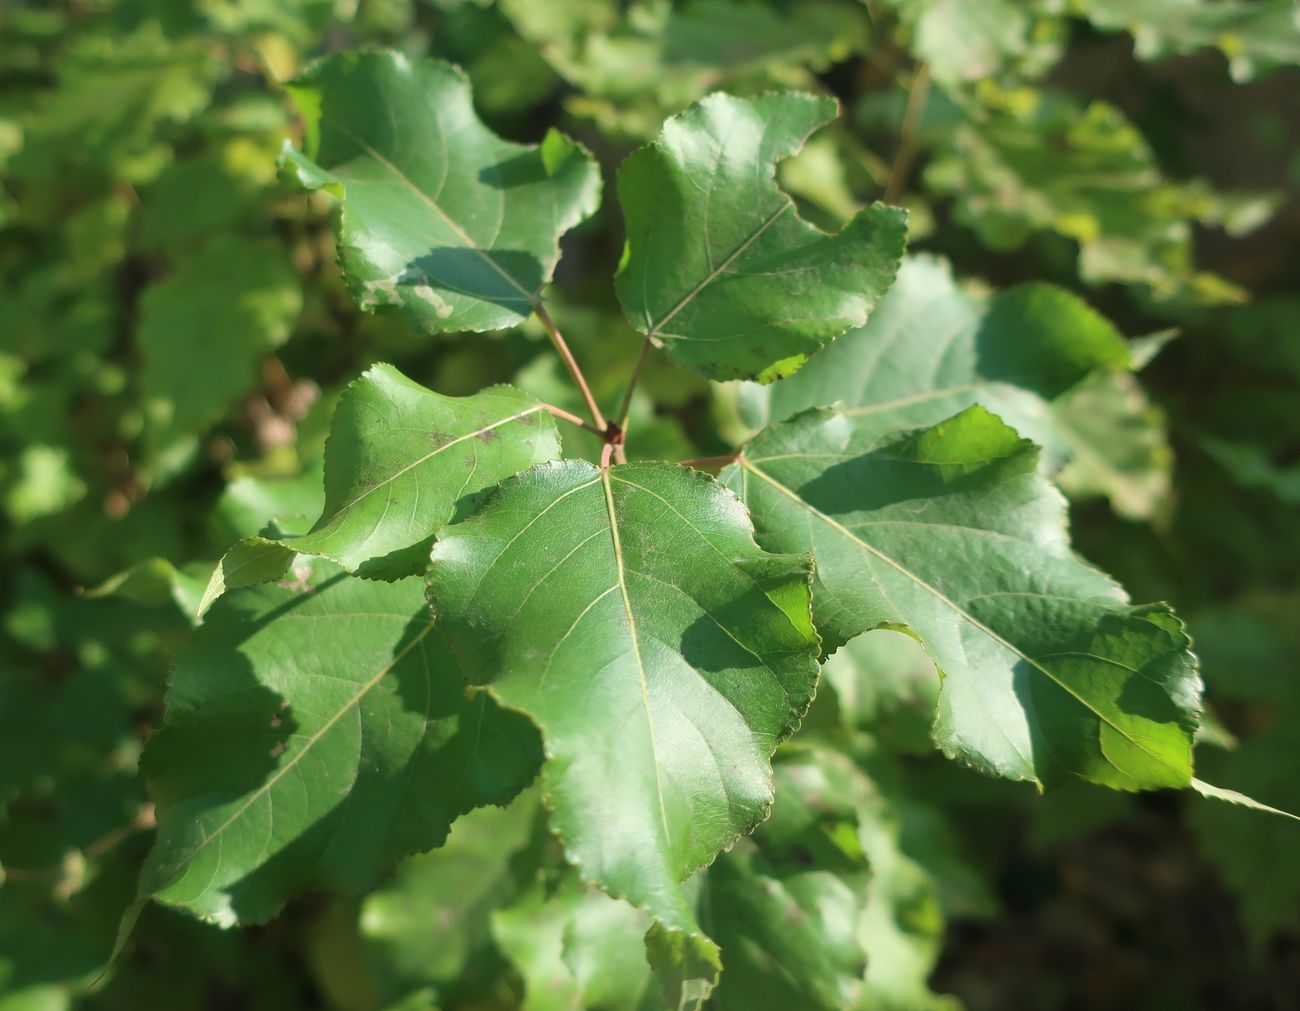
(719, 270)
(951, 533)
(400, 462)
(312, 738)
(441, 217)
(662, 654)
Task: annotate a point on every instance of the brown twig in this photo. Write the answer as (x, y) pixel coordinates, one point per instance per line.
(568, 416)
(898, 172)
(626, 405)
(571, 363)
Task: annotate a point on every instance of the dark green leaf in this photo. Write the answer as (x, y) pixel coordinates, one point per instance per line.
(313, 737)
(440, 216)
(951, 533)
(400, 462)
(719, 270)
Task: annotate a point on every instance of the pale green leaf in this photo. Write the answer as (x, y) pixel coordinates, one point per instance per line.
(400, 462)
(951, 533)
(1118, 445)
(204, 331)
(426, 926)
(719, 270)
(885, 682)
(312, 738)
(440, 216)
(787, 905)
(577, 949)
(1255, 37)
(632, 63)
(1084, 172)
(931, 349)
(629, 613)
(961, 42)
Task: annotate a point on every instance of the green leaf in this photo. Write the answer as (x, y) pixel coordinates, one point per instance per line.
(1250, 650)
(1255, 37)
(963, 42)
(1118, 445)
(918, 876)
(634, 62)
(312, 738)
(204, 331)
(577, 949)
(1048, 162)
(427, 926)
(440, 216)
(931, 350)
(886, 683)
(719, 270)
(629, 613)
(951, 533)
(786, 906)
(400, 462)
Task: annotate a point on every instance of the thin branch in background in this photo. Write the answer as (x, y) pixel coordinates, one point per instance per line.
(711, 462)
(571, 363)
(626, 405)
(902, 166)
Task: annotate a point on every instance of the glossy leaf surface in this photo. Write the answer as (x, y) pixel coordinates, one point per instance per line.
(719, 270)
(440, 216)
(313, 737)
(951, 533)
(629, 613)
(400, 462)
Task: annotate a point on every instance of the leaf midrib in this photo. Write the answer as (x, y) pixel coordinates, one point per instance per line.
(636, 647)
(938, 595)
(298, 755)
(424, 198)
(324, 523)
(657, 327)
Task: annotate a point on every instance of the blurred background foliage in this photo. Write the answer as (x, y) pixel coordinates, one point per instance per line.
(174, 333)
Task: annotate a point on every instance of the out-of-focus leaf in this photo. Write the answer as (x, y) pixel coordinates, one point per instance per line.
(787, 905)
(1255, 37)
(1085, 172)
(204, 330)
(577, 949)
(1251, 466)
(636, 63)
(962, 42)
(1118, 445)
(886, 683)
(1250, 650)
(426, 926)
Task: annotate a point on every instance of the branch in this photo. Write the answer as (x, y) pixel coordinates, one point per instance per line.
(626, 405)
(572, 365)
(907, 135)
(564, 415)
